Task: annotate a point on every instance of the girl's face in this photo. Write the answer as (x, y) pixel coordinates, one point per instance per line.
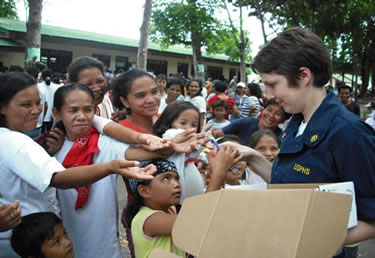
(164, 190)
(194, 89)
(161, 84)
(268, 146)
(95, 81)
(240, 90)
(235, 173)
(59, 246)
(23, 110)
(76, 113)
(143, 98)
(272, 116)
(174, 91)
(187, 119)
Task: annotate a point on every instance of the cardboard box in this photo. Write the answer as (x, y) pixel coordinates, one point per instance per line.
(285, 221)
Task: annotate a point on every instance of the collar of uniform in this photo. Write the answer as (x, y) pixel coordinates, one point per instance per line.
(316, 129)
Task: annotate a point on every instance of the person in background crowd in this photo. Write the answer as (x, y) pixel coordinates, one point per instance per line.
(239, 98)
(232, 85)
(161, 81)
(194, 96)
(220, 88)
(370, 120)
(89, 71)
(50, 89)
(254, 102)
(174, 89)
(273, 115)
(220, 109)
(345, 99)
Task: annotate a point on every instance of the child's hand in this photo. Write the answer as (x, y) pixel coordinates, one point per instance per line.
(152, 143)
(224, 159)
(10, 216)
(130, 169)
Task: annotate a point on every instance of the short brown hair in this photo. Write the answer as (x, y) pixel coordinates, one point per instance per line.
(291, 50)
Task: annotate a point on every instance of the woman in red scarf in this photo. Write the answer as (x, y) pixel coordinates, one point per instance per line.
(90, 212)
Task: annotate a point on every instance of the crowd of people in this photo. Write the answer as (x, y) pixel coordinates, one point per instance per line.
(68, 139)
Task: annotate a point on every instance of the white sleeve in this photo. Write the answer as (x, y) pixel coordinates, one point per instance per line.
(99, 123)
(30, 161)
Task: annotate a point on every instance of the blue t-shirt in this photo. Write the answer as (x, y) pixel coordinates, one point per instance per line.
(336, 146)
(243, 128)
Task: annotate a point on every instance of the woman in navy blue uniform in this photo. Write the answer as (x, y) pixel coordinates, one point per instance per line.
(323, 142)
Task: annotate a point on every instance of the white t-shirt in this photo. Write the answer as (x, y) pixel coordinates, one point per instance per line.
(50, 93)
(25, 174)
(371, 120)
(93, 228)
(199, 102)
(43, 100)
(163, 104)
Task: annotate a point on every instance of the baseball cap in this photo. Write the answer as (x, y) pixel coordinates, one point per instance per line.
(241, 84)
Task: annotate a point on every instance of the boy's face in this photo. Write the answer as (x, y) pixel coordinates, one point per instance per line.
(220, 113)
(59, 246)
(161, 83)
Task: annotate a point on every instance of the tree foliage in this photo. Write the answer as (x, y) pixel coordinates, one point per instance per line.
(189, 22)
(8, 9)
(346, 26)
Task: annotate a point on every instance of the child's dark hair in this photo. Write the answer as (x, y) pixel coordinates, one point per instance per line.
(220, 86)
(229, 138)
(175, 81)
(47, 76)
(35, 228)
(137, 202)
(255, 137)
(255, 90)
(122, 84)
(220, 103)
(171, 113)
(161, 77)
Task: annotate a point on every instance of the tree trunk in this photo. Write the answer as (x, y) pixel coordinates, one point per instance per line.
(196, 44)
(143, 42)
(261, 18)
(242, 48)
(33, 30)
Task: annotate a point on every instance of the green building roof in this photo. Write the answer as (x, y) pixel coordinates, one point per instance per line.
(7, 25)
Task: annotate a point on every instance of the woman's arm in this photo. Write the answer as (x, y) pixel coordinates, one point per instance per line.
(84, 175)
(136, 153)
(261, 166)
(235, 110)
(123, 134)
(363, 231)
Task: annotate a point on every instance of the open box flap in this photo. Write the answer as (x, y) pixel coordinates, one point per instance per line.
(276, 223)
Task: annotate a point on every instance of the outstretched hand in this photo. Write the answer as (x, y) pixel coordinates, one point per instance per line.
(188, 141)
(152, 143)
(130, 169)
